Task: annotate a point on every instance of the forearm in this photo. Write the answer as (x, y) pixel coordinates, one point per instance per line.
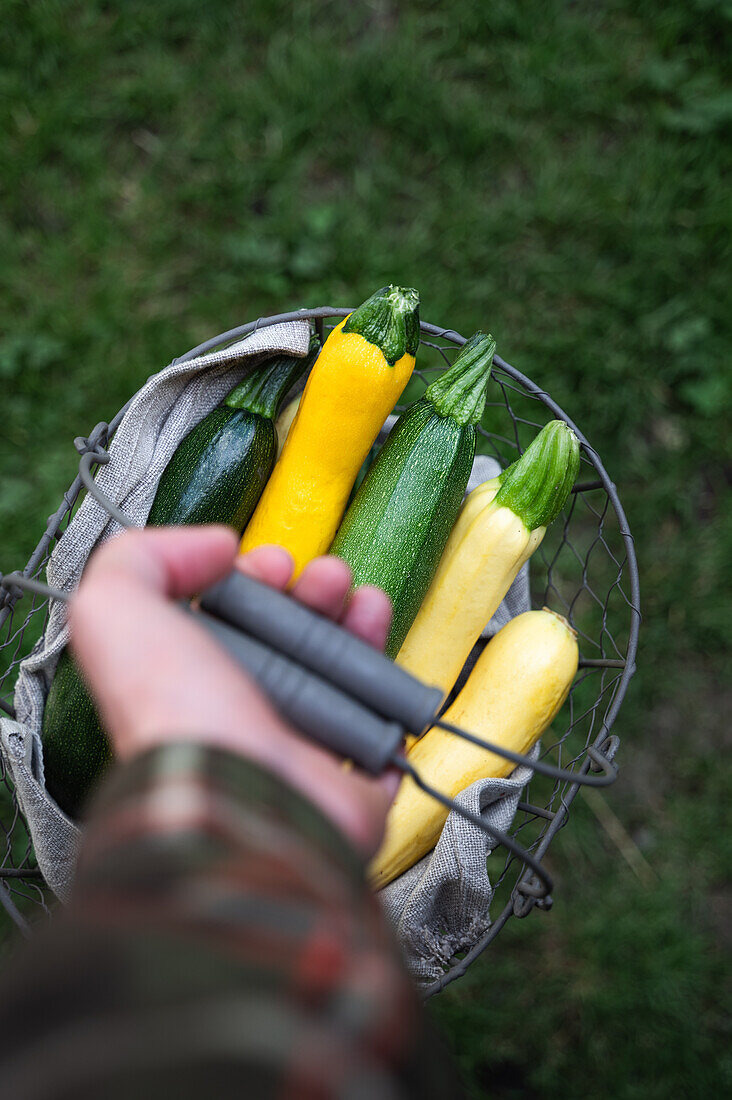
(221, 926)
(209, 845)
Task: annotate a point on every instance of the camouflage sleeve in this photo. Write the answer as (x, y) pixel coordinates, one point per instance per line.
(221, 937)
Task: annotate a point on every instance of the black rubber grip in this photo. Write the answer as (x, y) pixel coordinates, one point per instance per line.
(320, 645)
(316, 708)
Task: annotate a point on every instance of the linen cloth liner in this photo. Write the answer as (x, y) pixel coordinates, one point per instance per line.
(439, 906)
(160, 414)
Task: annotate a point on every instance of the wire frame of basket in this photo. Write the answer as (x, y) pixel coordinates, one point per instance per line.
(585, 569)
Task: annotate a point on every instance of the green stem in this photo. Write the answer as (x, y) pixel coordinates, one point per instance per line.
(537, 485)
(460, 391)
(390, 320)
(262, 391)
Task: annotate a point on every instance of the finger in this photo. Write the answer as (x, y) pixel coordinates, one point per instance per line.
(374, 796)
(324, 585)
(390, 781)
(175, 561)
(272, 565)
(368, 615)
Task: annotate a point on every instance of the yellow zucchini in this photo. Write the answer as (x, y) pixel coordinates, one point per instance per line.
(499, 526)
(359, 376)
(515, 690)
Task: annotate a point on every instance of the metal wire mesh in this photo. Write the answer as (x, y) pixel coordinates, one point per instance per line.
(585, 569)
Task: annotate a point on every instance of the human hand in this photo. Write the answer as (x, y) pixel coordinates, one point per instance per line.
(157, 676)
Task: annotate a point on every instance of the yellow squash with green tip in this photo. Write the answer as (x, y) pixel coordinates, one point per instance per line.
(499, 527)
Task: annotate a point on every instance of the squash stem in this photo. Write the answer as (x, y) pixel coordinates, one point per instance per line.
(390, 320)
(460, 391)
(263, 390)
(537, 485)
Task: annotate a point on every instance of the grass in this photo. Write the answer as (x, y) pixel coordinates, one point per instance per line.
(551, 171)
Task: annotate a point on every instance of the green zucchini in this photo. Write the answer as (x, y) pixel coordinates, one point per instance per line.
(395, 530)
(76, 750)
(219, 470)
(216, 475)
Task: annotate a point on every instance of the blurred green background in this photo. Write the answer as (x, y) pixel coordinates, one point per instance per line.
(551, 171)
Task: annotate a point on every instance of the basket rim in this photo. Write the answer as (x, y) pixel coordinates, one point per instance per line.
(607, 745)
(321, 313)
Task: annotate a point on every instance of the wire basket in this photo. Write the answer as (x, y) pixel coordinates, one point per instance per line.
(585, 569)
